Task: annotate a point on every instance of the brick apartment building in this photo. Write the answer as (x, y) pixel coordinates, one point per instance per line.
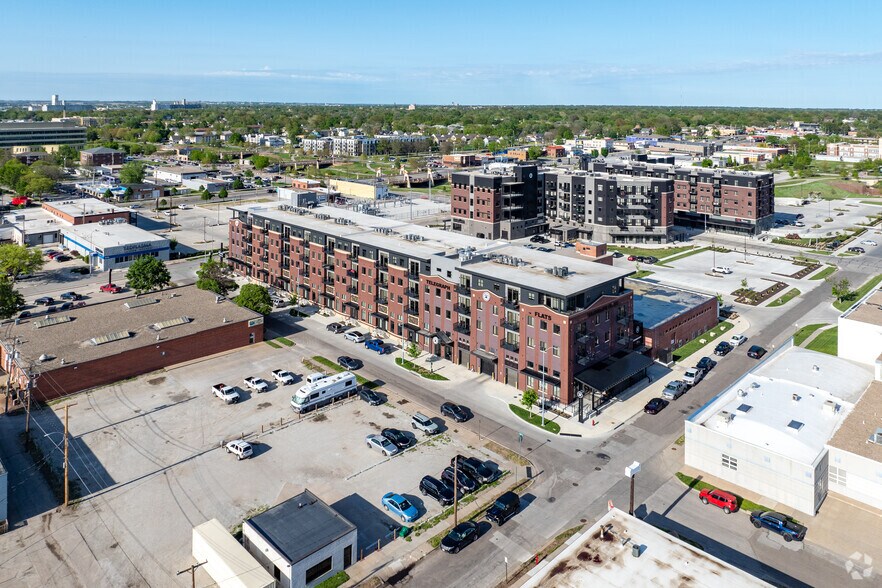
(497, 206)
(525, 318)
(719, 199)
(101, 156)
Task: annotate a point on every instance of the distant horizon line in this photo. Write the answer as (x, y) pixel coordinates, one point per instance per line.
(76, 101)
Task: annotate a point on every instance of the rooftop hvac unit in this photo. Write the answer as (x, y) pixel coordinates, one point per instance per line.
(795, 397)
(725, 417)
(876, 437)
(830, 406)
(741, 393)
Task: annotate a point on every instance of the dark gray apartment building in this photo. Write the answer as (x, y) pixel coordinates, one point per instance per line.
(40, 134)
(497, 205)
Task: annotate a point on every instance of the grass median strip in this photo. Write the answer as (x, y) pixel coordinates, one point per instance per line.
(805, 332)
(665, 262)
(641, 274)
(787, 297)
(273, 344)
(824, 273)
(657, 253)
(535, 419)
(722, 329)
(317, 362)
(285, 341)
(826, 342)
(409, 365)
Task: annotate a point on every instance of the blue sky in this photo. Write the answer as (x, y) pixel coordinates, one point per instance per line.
(790, 54)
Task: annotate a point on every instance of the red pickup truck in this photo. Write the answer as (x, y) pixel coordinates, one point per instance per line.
(111, 288)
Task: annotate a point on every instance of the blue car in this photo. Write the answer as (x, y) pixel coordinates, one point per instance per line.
(400, 507)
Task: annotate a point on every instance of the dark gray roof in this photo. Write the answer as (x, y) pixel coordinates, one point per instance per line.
(101, 151)
(608, 374)
(300, 526)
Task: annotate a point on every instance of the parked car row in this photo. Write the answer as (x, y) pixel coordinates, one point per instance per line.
(774, 521)
(650, 259)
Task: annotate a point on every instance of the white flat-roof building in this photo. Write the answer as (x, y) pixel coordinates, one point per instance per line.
(31, 226)
(856, 451)
(604, 555)
(114, 245)
(177, 175)
(211, 184)
(768, 431)
(860, 331)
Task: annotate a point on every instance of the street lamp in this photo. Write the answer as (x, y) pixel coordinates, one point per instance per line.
(542, 351)
(631, 471)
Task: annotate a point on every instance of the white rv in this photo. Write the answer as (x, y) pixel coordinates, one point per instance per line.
(324, 391)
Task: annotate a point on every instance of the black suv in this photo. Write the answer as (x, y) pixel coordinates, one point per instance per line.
(464, 484)
(336, 328)
(505, 507)
(475, 468)
(437, 489)
(454, 411)
(398, 438)
(722, 348)
(706, 364)
(370, 396)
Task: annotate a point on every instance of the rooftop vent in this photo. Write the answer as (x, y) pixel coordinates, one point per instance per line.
(52, 320)
(725, 417)
(755, 385)
(745, 408)
(742, 393)
(830, 406)
(796, 426)
(109, 338)
(795, 397)
(170, 323)
(815, 368)
(876, 437)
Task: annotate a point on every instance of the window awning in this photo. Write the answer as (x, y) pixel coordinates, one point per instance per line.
(606, 375)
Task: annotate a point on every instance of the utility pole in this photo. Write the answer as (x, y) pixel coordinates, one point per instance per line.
(66, 462)
(455, 490)
(192, 571)
(631, 471)
(203, 229)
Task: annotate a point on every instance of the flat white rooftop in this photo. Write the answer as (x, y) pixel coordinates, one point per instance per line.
(83, 206)
(868, 310)
(602, 556)
(112, 235)
(791, 405)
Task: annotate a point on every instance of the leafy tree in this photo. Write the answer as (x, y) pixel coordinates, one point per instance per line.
(173, 244)
(412, 350)
(222, 193)
(67, 154)
(108, 194)
(19, 260)
(147, 273)
(206, 195)
(10, 298)
(249, 173)
(36, 185)
(236, 139)
(12, 172)
(707, 163)
(841, 289)
(132, 173)
(534, 152)
(237, 184)
(604, 152)
(212, 276)
(128, 193)
(258, 181)
(255, 297)
(259, 161)
(595, 153)
(529, 398)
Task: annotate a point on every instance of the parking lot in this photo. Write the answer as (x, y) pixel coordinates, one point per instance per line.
(692, 272)
(149, 451)
(844, 214)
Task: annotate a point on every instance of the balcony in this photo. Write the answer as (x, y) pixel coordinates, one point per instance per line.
(328, 281)
(413, 275)
(352, 273)
(511, 346)
(462, 309)
(511, 326)
(464, 290)
(382, 300)
(352, 289)
(512, 304)
(462, 328)
(412, 292)
(383, 310)
(413, 320)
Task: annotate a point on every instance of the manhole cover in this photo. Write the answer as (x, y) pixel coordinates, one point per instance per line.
(603, 456)
(575, 483)
(578, 451)
(583, 520)
(551, 499)
(597, 468)
(529, 449)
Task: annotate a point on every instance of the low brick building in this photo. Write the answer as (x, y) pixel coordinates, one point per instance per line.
(101, 156)
(670, 316)
(87, 210)
(62, 353)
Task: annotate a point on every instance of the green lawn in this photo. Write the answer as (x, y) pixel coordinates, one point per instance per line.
(659, 253)
(273, 344)
(858, 294)
(824, 186)
(536, 419)
(641, 274)
(334, 581)
(830, 269)
(805, 332)
(721, 330)
(743, 503)
(826, 341)
(666, 262)
(782, 300)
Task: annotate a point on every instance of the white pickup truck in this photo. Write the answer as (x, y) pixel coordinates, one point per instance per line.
(283, 377)
(256, 384)
(226, 393)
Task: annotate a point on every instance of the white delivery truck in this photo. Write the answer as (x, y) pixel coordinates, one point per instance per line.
(324, 391)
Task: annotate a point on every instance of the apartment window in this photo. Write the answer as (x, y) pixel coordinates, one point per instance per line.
(479, 305)
(495, 310)
(555, 329)
(529, 320)
(446, 314)
(543, 325)
(555, 350)
(531, 342)
(478, 325)
(730, 462)
(837, 476)
(543, 346)
(494, 329)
